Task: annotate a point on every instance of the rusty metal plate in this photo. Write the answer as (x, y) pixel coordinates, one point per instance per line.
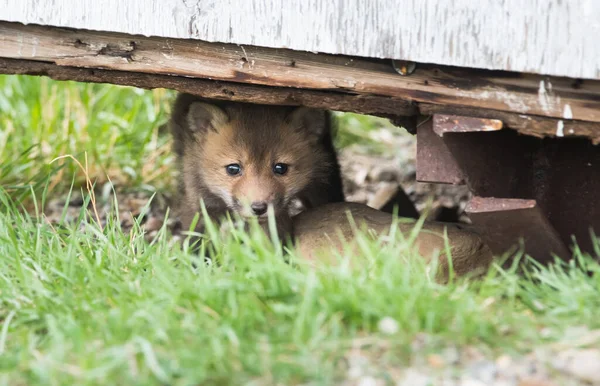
(506, 221)
(443, 124)
(561, 176)
(435, 162)
(564, 178)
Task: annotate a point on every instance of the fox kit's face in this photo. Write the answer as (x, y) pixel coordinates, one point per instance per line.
(254, 157)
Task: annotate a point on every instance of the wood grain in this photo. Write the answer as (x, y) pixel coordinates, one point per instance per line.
(363, 104)
(507, 92)
(550, 37)
(398, 110)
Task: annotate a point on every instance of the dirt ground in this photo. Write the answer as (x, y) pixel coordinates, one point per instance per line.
(551, 365)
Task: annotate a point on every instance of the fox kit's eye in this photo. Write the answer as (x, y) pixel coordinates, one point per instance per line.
(233, 169)
(280, 169)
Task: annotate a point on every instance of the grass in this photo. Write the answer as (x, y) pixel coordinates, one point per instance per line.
(81, 304)
(118, 127)
(363, 130)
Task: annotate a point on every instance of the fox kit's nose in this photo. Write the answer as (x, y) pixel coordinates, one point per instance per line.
(259, 207)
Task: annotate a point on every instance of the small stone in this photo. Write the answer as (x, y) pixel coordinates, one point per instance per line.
(359, 196)
(535, 381)
(384, 194)
(360, 177)
(580, 363)
(539, 306)
(136, 205)
(526, 368)
(369, 381)
(503, 382)
(126, 219)
(153, 224)
(436, 361)
(412, 377)
(357, 363)
(150, 236)
(420, 342)
(468, 381)
(382, 135)
(107, 190)
(384, 174)
(484, 371)
(409, 173)
(473, 354)
(355, 372)
(388, 326)
(503, 362)
(451, 355)
(545, 332)
(409, 189)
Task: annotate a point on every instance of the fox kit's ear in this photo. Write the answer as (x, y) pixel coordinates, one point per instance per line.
(203, 117)
(305, 118)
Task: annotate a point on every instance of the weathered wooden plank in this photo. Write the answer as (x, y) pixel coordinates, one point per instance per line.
(240, 92)
(551, 37)
(533, 95)
(399, 110)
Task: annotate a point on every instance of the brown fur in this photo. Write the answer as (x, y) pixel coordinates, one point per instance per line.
(316, 233)
(209, 135)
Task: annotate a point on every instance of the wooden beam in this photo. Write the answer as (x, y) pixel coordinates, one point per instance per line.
(400, 111)
(560, 98)
(240, 92)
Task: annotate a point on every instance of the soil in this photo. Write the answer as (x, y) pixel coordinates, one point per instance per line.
(550, 365)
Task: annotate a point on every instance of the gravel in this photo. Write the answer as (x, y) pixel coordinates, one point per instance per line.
(469, 366)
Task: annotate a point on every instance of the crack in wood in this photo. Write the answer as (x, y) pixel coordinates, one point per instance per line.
(119, 51)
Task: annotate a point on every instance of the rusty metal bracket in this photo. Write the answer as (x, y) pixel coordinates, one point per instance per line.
(474, 151)
(505, 221)
(543, 190)
(443, 124)
(435, 162)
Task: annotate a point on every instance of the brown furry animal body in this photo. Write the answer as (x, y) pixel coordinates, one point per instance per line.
(317, 232)
(245, 158)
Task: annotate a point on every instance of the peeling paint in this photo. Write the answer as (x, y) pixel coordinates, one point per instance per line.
(546, 98)
(543, 96)
(513, 101)
(567, 114)
(560, 129)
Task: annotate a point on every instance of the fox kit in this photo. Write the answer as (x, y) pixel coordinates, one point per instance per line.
(244, 158)
(470, 255)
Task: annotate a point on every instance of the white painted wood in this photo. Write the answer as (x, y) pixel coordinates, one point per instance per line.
(552, 37)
